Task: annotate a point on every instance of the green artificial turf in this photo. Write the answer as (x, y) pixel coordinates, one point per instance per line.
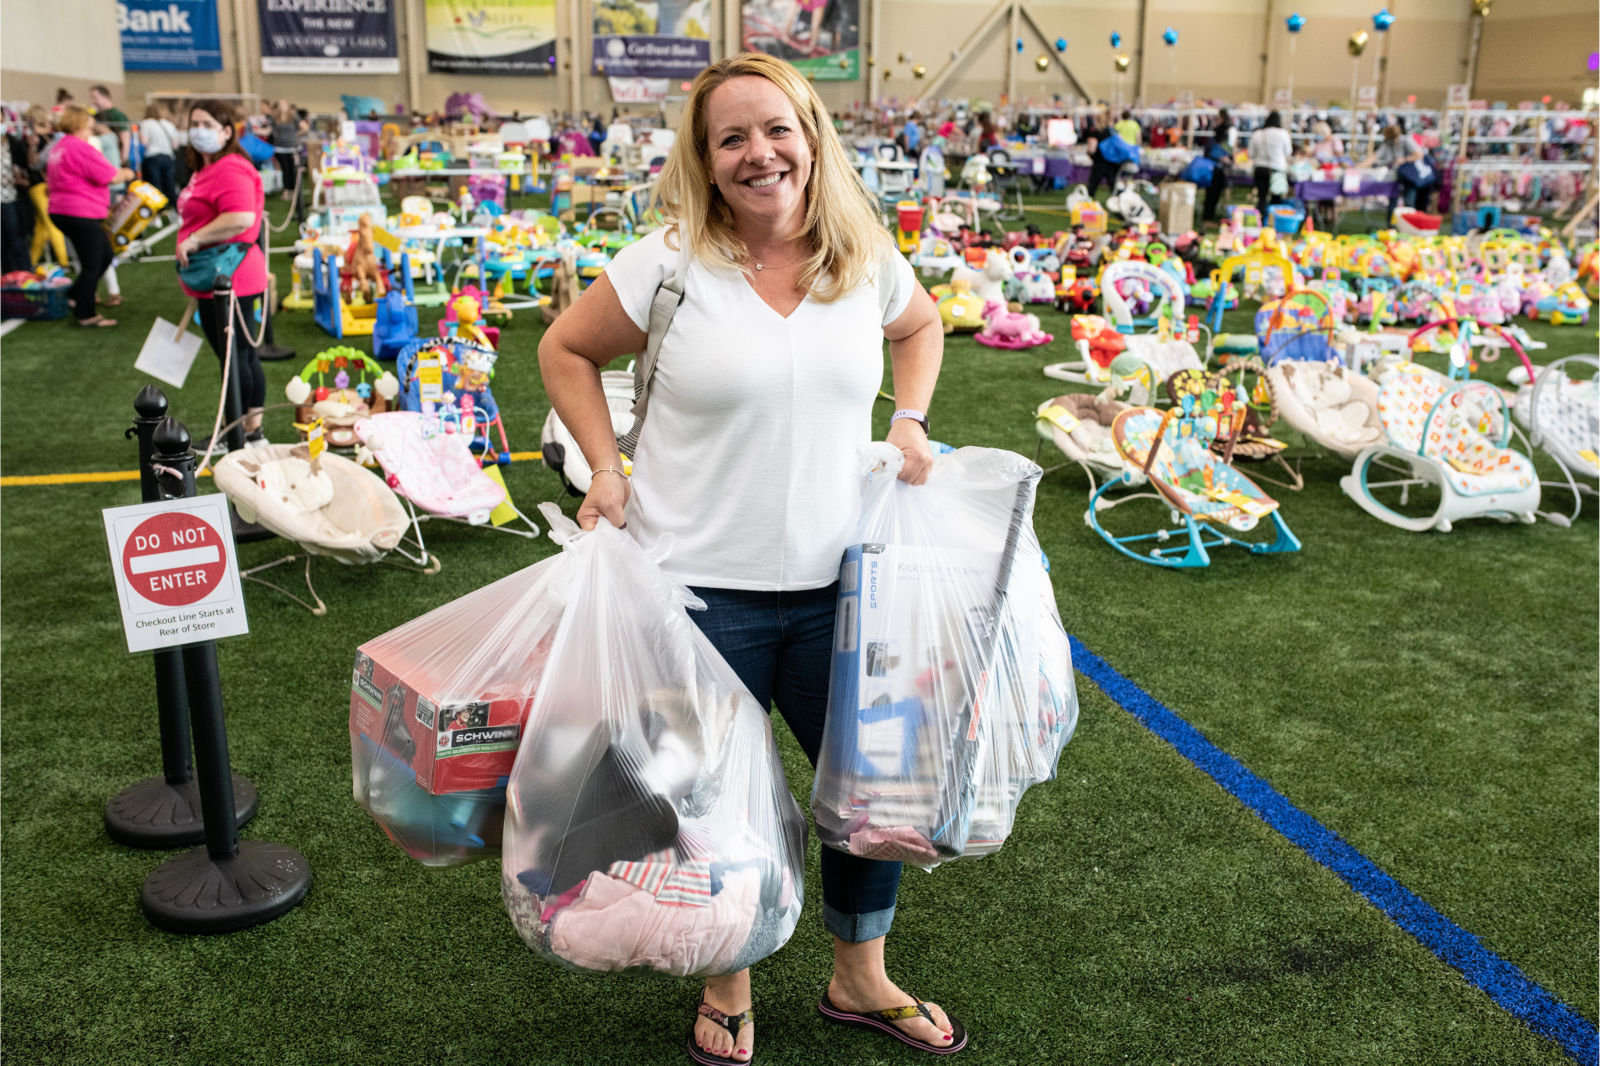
(1430, 697)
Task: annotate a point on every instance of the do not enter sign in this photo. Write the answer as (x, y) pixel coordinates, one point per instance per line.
(174, 559)
(176, 574)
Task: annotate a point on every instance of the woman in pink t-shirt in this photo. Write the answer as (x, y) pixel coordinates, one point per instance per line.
(78, 180)
(222, 204)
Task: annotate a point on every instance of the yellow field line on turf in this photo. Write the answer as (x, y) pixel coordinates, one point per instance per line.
(133, 475)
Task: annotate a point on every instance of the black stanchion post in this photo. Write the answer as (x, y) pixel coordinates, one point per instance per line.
(229, 884)
(165, 811)
(232, 402)
(269, 351)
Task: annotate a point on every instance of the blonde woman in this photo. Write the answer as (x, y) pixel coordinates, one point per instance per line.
(762, 393)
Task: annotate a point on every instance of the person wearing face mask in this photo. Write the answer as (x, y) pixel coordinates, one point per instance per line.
(222, 205)
(762, 393)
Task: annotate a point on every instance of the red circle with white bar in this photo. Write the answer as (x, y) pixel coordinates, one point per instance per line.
(174, 559)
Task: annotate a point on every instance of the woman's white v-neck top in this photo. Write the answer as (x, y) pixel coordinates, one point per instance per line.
(749, 454)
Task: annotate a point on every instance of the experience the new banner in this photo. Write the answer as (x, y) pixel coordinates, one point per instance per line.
(654, 39)
(502, 37)
(328, 37)
(820, 37)
(169, 35)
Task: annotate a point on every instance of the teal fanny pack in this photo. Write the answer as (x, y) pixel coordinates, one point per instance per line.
(206, 265)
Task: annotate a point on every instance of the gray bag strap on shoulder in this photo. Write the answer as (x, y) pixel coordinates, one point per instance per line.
(665, 306)
(662, 309)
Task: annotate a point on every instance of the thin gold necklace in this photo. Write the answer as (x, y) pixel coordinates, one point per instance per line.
(775, 266)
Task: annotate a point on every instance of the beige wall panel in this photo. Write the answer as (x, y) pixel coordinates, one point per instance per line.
(37, 57)
(1530, 47)
(1525, 58)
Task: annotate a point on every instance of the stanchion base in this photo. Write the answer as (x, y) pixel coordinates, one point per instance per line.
(247, 532)
(154, 814)
(194, 894)
(274, 353)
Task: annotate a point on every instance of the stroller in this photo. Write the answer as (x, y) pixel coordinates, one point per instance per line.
(560, 452)
(1208, 495)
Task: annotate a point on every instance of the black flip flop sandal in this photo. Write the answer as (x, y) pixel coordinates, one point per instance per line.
(882, 1021)
(732, 1024)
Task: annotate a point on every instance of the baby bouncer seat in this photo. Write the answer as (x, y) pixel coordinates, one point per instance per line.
(1244, 432)
(1439, 434)
(1328, 404)
(1562, 415)
(1207, 496)
(1079, 425)
(342, 510)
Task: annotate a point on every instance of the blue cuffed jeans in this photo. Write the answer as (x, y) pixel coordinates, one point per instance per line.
(781, 646)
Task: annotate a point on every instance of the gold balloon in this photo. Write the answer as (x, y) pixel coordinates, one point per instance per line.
(902, 58)
(1121, 61)
(1481, 7)
(872, 61)
(886, 74)
(1043, 63)
(844, 63)
(919, 71)
(1357, 43)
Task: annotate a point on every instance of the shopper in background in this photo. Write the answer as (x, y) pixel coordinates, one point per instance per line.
(1328, 148)
(13, 253)
(1220, 151)
(1402, 155)
(79, 181)
(39, 137)
(223, 205)
(791, 290)
(116, 121)
(111, 147)
(1128, 129)
(987, 137)
(1100, 167)
(912, 134)
(286, 144)
(161, 140)
(1270, 149)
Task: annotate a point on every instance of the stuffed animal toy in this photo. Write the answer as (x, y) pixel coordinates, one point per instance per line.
(361, 262)
(1010, 330)
(563, 285)
(987, 284)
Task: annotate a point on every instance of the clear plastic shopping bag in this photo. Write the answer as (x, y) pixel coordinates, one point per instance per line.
(648, 823)
(437, 710)
(951, 690)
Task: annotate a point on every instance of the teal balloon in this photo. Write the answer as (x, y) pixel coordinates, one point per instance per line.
(1116, 40)
(1061, 44)
(1382, 21)
(1019, 44)
(1171, 36)
(1296, 22)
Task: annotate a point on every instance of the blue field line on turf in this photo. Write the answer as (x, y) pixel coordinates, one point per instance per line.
(1505, 984)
